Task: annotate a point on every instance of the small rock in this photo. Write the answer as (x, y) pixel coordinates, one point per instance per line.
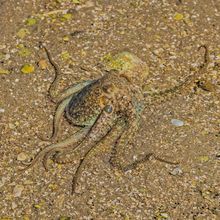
(22, 156)
(2, 46)
(75, 1)
(28, 182)
(2, 181)
(31, 21)
(4, 71)
(24, 51)
(203, 159)
(66, 17)
(177, 171)
(7, 56)
(18, 190)
(158, 51)
(177, 122)
(178, 16)
(66, 38)
(2, 110)
(164, 215)
(27, 68)
(65, 55)
(39, 205)
(11, 126)
(22, 33)
(14, 205)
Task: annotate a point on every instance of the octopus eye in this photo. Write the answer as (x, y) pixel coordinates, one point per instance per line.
(107, 88)
(108, 109)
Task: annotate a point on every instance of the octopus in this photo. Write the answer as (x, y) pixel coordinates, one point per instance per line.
(112, 103)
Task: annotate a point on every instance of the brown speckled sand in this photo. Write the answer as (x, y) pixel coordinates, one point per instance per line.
(166, 35)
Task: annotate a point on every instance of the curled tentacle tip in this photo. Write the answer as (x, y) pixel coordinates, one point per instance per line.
(203, 46)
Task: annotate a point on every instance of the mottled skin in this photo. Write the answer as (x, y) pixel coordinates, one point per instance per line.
(112, 103)
(98, 106)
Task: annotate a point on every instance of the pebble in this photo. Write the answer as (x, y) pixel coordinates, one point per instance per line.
(2, 181)
(7, 56)
(11, 126)
(203, 158)
(177, 171)
(27, 68)
(2, 110)
(28, 182)
(18, 190)
(177, 122)
(22, 156)
(64, 218)
(14, 205)
(164, 215)
(2, 46)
